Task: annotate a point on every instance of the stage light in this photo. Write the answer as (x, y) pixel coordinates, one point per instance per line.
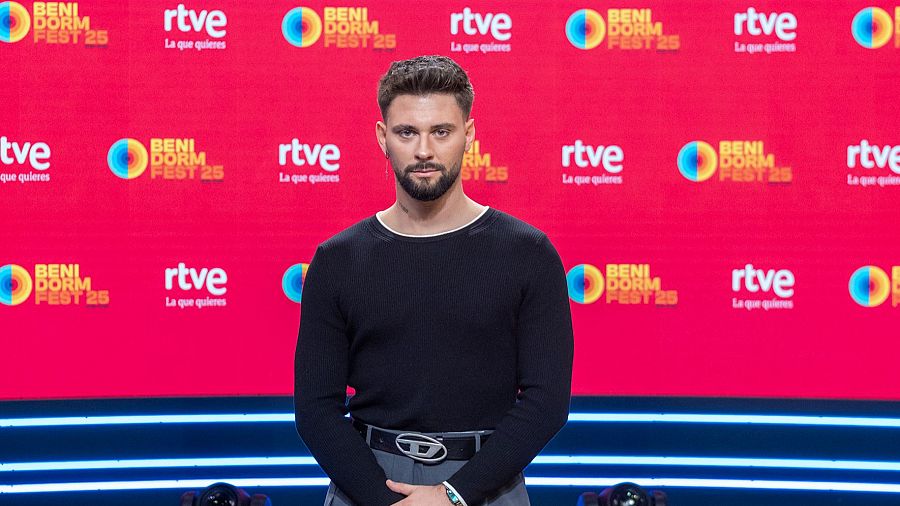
(623, 494)
(223, 494)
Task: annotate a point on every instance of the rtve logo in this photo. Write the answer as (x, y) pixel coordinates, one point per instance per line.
(759, 23)
(213, 280)
(781, 282)
(475, 23)
(870, 156)
(584, 156)
(189, 20)
(36, 154)
(327, 156)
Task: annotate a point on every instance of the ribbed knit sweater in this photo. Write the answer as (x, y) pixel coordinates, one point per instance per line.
(465, 330)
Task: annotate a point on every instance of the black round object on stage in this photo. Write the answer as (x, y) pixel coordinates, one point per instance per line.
(623, 494)
(223, 494)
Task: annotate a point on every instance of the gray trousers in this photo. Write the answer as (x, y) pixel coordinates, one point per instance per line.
(407, 470)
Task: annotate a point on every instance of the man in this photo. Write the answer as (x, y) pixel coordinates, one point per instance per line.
(449, 319)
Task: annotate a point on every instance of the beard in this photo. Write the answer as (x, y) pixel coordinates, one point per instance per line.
(424, 189)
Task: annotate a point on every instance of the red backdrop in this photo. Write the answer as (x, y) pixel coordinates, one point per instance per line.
(808, 90)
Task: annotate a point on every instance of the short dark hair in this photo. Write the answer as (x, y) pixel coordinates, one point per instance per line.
(424, 75)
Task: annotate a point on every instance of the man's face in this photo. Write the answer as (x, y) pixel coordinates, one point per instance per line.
(425, 138)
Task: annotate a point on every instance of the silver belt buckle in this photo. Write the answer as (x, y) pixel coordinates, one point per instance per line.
(421, 447)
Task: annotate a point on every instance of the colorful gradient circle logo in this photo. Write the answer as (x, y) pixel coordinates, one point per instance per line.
(869, 286)
(301, 26)
(697, 161)
(292, 281)
(15, 285)
(14, 22)
(127, 158)
(585, 29)
(872, 27)
(585, 283)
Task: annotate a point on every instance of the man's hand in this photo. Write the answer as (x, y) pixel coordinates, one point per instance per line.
(420, 495)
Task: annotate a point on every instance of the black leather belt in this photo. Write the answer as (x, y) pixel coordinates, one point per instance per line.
(426, 447)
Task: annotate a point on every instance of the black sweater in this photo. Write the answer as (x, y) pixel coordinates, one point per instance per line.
(466, 330)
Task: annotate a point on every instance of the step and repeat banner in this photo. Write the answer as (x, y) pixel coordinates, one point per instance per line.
(721, 179)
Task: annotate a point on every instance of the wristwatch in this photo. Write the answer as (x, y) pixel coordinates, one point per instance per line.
(451, 495)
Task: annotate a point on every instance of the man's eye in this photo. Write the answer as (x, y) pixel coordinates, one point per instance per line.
(442, 133)
(406, 133)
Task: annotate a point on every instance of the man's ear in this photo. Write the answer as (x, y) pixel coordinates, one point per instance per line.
(470, 132)
(381, 136)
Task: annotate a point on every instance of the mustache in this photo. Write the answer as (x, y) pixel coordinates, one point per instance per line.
(418, 167)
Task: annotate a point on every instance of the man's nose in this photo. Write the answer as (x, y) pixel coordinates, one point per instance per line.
(423, 149)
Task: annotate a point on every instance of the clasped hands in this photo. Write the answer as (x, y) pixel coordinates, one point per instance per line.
(420, 495)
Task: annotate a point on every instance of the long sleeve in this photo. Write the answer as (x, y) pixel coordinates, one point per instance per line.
(545, 347)
(320, 382)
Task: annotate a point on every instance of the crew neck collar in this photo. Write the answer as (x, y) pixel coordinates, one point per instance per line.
(389, 229)
(381, 227)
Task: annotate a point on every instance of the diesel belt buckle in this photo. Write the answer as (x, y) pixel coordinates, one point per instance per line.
(421, 447)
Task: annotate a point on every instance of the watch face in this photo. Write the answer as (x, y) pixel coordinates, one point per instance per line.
(452, 496)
